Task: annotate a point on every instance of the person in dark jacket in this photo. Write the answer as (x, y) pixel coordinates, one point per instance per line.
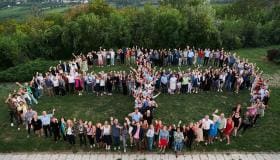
(55, 127)
(190, 135)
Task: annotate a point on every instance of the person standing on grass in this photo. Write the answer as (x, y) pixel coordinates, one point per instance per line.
(70, 132)
(213, 131)
(178, 141)
(100, 59)
(237, 123)
(55, 85)
(106, 133)
(228, 130)
(12, 110)
(137, 135)
(116, 133)
(55, 128)
(206, 122)
(246, 123)
(112, 54)
(163, 139)
(37, 125)
(62, 126)
(198, 131)
(206, 57)
(98, 134)
(28, 118)
(125, 135)
(46, 120)
(79, 84)
(90, 132)
(222, 121)
(150, 137)
(82, 133)
(71, 82)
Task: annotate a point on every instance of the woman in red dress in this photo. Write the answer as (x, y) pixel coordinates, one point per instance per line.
(228, 130)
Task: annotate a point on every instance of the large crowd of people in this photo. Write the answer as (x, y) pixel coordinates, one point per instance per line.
(208, 71)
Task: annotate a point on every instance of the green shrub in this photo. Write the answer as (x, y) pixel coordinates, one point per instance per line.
(274, 55)
(24, 72)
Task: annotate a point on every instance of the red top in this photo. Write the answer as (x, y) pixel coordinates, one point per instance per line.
(229, 128)
(200, 54)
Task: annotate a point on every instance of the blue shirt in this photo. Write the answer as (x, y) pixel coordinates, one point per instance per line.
(136, 117)
(164, 79)
(46, 120)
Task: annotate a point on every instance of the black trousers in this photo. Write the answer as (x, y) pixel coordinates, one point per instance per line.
(29, 128)
(47, 129)
(90, 139)
(244, 127)
(13, 115)
(82, 138)
(164, 88)
(206, 59)
(205, 133)
(71, 139)
(184, 88)
(56, 90)
(189, 143)
(71, 87)
(56, 135)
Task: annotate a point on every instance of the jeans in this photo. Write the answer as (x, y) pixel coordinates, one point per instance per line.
(189, 61)
(199, 60)
(178, 146)
(150, 143)
(228, 85)
(112, 61)
(89, 87)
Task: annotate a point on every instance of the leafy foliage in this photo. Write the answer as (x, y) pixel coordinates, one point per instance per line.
(24, 72)
(172, 24)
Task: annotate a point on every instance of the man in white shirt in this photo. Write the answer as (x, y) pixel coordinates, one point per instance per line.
(190, 57)
(206, 122)
(206, 57)
(71, 82)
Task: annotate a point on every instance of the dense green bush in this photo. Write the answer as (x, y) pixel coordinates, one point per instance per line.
(24, 72)
(274, 55)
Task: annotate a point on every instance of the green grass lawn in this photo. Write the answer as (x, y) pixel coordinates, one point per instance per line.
(188, 108)
(22, 12)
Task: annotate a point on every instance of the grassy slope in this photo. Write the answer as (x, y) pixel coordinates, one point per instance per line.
(22, 12)
(188, 108)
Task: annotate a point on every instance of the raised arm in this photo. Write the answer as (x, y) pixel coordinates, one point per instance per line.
(20, 85)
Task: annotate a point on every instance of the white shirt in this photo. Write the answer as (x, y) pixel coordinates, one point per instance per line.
(69, 131)
(207, 53)
(102, 82)
(150, 133)
(206, 124)
(71, 79)
(112, 54)
(106, 130)
(55, 82)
